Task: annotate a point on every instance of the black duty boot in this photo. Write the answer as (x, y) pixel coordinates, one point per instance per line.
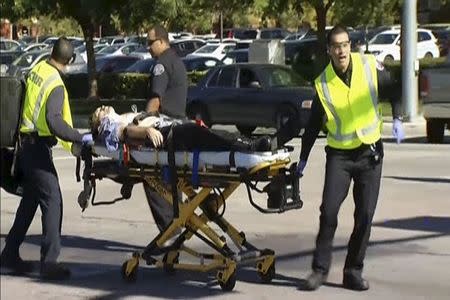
(15, 263)
(314, 281)
(54, 271)
(355, 283)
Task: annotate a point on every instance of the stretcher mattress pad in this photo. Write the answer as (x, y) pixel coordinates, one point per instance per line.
(151, 157)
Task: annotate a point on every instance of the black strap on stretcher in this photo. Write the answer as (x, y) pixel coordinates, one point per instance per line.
(173, 171)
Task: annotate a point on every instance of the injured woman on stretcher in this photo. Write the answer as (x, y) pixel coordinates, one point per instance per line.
(140, 129)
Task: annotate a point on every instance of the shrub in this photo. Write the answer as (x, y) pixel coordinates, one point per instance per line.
(116, 85)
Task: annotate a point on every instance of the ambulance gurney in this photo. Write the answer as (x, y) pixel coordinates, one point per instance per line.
(207, 179)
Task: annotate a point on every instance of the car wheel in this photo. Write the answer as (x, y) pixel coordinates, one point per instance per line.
(199, 111)
(246, 130)
(435, 131)
(428, 55)
(284, 114)
(388, 59)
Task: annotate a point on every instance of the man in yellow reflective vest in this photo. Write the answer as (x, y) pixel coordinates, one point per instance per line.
(347, 100)
(46, 118)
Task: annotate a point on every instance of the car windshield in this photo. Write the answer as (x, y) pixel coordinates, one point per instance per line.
(109, 49)
(207, 49)
(26, 59)
(106, 40)
(384, 39)
(282, 77)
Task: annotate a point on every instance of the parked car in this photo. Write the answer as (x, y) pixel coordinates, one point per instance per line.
(386, 45)
(118, 49)
(24, 63)
(9, 45)
(303, 49)
(34, 47)
(443, 37)
(184, 47)
(239, 33)
(200, 64)
(435, 91)
(143, 66)
(236, 56)
(273, 33)
(141, 52)
(216, 50)
(112, 40)
(112, 64)
(250, 95)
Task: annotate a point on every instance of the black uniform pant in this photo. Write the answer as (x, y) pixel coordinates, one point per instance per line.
(40, 188)
(364, 168)
(161, 210)
(190, 136)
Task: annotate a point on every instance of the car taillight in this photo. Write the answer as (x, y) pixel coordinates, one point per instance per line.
(424, 85)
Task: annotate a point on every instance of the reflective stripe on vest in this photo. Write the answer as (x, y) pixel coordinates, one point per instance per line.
(368, 129)
(41, 81)
(32, 126)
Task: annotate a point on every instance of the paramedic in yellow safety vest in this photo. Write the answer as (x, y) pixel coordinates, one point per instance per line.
(347, 100)
(46, 117)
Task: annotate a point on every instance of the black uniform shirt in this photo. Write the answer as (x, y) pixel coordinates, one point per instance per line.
(169, 83)
(388, 87)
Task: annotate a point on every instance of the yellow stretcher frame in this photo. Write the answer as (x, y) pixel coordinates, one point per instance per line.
(224, 259)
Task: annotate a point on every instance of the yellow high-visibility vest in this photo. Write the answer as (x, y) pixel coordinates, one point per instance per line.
(41, 81)
(352, 114)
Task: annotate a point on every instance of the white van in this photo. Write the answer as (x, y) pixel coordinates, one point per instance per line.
(386, 45)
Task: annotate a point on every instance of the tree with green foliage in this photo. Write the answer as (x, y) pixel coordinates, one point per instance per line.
(367, 12)
(87, 13)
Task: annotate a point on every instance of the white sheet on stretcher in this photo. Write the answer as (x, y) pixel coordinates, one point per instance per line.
(148, 156)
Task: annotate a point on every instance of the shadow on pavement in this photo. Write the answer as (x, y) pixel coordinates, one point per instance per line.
(106, 278)
(420, 179)
(421, 223)
(71, 241)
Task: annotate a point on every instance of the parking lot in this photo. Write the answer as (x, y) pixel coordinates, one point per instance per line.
(408, 257)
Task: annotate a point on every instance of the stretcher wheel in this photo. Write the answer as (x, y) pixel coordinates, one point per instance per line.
(269, 275)
(228, 285)
(168, 264)
(132, 277)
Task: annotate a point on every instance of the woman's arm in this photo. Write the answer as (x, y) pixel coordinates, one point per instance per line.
(141, 133)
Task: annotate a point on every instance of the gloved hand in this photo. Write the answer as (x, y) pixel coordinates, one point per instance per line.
(300, 167)
(397, 130)
(87, 140)
(155, 136)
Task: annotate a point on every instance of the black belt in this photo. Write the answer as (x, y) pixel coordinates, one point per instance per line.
(34, 138)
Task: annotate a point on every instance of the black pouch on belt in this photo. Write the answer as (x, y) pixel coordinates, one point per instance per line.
(376, 152)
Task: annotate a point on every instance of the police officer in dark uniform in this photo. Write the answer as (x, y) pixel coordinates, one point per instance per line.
(168, 87)
(347, 100)
(167, 94)
(46, 117)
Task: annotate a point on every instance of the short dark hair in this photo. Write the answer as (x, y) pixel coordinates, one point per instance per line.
(336, 30)
(62, 51)
(161, 33)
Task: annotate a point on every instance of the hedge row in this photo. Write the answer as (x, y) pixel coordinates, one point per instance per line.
(116, 85)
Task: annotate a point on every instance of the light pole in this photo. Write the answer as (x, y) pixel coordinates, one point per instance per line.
(410, 64)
